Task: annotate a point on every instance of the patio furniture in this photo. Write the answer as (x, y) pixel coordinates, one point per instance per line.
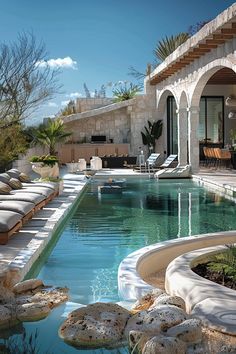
(10, 222)
(149, 164)
(38, 200)
(176, 172)
(169, 161)
(26, 209)
(152, 161)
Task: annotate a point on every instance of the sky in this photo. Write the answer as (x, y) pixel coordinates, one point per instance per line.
(95, 42)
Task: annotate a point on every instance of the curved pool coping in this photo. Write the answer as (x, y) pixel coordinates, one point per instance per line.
(143, 263)
(213, 303)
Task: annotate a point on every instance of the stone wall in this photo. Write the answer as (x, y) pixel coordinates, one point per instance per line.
(88, 104)
(114, 125)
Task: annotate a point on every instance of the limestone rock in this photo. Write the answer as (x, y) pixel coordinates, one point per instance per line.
(6, 296)
(96, 325)
(137, 341)
(228, 349)
(7, 316)
(197, 349)
(32, 311)
(142, 322)
(165, 345)
(52, 296)
(165, 299)
(188, 331)
(27, 285)
(147, 300)
(158, 319)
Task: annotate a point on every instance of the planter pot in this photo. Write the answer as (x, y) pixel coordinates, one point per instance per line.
(45, 171)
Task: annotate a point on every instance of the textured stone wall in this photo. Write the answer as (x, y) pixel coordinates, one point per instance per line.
(87, 104)
(115, 125)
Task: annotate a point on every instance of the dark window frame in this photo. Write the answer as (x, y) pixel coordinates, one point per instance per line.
(205, 97)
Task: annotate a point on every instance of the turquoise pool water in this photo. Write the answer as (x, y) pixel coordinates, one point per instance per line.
(106, 228)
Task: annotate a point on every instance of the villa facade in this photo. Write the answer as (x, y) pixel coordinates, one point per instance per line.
(188, 91)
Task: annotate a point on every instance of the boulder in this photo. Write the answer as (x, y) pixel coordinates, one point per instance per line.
(137, 341)
(165, 345)
(27, 285)
(188, 331)
(165, 299)
(197, 349)
(6, 296)
(7, 316)
(158, 319)
(147, 300)
(33, 311)
(96, 325)
(52, 296)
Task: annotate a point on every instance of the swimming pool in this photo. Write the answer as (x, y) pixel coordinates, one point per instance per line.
(106, 228)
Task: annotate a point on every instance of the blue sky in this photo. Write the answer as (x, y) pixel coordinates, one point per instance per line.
(100, 39)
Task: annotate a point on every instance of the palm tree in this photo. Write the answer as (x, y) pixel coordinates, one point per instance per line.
(49, 134)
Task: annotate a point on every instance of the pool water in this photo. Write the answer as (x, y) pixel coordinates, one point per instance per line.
(106, 228)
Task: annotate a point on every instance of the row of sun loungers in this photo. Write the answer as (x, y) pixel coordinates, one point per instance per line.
(20, 199)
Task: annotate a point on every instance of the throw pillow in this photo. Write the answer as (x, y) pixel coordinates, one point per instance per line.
(14, 173)
(4, 188)
(4, 177)
(24, 177)
(14, 183)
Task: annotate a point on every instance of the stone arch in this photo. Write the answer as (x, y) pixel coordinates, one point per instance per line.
(208, 71)
(204, 74)
(162, 114)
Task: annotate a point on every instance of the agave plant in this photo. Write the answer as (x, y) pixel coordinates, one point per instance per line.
(124, 92)
(167, 45)
(225, 263)
(152, 133)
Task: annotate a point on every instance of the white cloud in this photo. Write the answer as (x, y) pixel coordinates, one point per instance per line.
(52, 104)
(64, 103)
(74, 95)
(66, 62)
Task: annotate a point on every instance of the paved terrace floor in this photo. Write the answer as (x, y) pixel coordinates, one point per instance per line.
(23, 249)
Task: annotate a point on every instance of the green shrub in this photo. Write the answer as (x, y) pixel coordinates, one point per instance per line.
(48, 160)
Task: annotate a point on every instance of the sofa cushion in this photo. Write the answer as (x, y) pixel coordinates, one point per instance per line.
(4, 188)
(14, 183)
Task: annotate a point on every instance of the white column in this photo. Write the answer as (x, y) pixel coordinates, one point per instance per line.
(193, 140)
(182, 121)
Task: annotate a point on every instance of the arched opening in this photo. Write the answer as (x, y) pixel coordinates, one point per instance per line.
(167, 110)
(210, 94)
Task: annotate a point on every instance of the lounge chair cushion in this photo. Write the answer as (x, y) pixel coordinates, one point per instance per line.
(14, 183)
(8, 219)
(27, 197)
(4, 188)
(20, 207)
(37, 190)
(4, 177)
(52, 185)
(23, 177)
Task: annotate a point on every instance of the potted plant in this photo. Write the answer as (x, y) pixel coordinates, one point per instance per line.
(45, 165)
(152, 133)
(48, 135)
